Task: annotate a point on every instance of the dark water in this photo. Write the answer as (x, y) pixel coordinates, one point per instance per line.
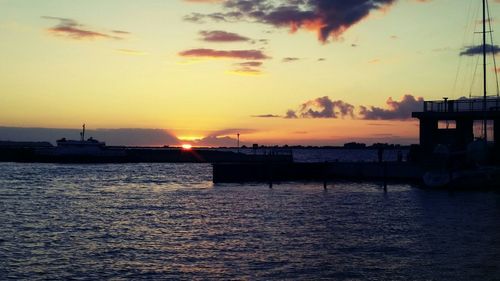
(168, 221)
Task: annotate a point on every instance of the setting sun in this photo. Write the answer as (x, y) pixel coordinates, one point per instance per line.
(187, 146)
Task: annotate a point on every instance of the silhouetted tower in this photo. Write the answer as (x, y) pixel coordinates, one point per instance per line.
(238, 143)
(82, 133)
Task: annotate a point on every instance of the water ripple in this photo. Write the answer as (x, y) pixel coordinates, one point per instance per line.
(168, 221)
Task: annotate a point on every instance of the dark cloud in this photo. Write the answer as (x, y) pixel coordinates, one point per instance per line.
(290, 114)
(214, 141)
(478, 50)
(223, 138)
(222, 36)
(322, 107)
(329, 18)
(397, 110)
(130, 137)
(233, 54)
(72, 29)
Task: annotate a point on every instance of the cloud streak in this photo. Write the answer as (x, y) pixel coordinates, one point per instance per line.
(290, 59)
(231, 54)
(222, 36)
(266, 116)
(248, 68)
(70, 28)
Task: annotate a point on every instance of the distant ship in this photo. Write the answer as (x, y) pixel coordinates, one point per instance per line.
(82, 147)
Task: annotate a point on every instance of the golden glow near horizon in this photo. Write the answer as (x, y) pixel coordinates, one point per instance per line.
(148, 65)
(186, 146)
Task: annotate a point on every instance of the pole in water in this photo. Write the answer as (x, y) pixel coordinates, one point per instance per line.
(485, 122)
(385, 176)
(325, 166)
(270, 175)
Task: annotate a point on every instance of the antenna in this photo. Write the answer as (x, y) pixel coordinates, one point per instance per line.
(238, 134)
(492, 49)
(485, 122)
(82, 134)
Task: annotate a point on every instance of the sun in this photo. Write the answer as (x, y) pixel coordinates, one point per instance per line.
(187, 146)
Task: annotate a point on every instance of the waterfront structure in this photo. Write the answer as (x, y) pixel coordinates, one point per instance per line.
(460, 115)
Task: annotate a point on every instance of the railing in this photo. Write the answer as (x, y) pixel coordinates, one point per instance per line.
(463, 105)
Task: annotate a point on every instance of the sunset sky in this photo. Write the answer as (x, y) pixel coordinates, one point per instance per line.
(277, 71)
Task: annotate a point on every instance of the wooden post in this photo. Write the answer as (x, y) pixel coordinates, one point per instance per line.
(325, 170)
(270, 175)
(385, 176)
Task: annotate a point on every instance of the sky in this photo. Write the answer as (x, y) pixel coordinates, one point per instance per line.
(310, 72)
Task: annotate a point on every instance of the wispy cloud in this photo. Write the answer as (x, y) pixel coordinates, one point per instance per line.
(131, 52)
(222, 36)
(250, 64)
(248, 68)
(246, 71)
(267, 116)
(231, 54)
(204, 1)
(290, 59)
(70, 28)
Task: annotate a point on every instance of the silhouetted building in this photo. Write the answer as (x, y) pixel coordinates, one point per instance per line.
(461, 112)
(354, 145)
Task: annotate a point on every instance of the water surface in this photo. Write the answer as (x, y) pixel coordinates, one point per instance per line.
(161, 221)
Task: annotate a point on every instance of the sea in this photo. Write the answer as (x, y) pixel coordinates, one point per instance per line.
(170, 222)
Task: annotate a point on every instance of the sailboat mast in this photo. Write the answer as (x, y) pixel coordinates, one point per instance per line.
(484, 70)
